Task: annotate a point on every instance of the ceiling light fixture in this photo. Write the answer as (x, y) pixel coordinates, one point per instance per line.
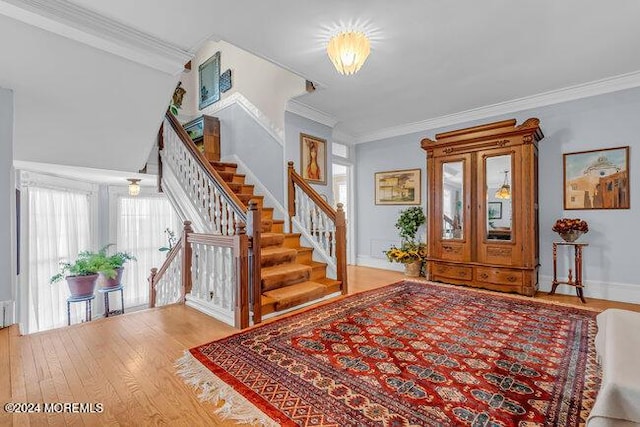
(348, 51)
(134, 187)
(504, 192)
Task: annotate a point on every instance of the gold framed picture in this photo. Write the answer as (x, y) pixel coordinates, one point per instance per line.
(313, 159)
(401, 187)
(597, 179)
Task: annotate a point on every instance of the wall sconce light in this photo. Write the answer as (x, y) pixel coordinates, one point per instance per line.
(134, 187)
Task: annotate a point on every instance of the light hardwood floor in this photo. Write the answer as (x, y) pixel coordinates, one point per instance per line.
(126, 364)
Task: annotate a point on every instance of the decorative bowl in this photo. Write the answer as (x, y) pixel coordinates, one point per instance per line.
(571, 235)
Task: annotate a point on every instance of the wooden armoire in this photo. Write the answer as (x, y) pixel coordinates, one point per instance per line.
(483, 206)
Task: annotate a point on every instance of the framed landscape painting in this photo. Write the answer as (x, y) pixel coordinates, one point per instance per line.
(313, 159)
(401, 187)
(597, 179)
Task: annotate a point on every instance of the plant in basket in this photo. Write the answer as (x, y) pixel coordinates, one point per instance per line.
(410, 253)
(570, 229)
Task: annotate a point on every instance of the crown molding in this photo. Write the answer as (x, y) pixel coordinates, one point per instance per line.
(77, 23)
(297, 107)
(571, 93)
(342, 137)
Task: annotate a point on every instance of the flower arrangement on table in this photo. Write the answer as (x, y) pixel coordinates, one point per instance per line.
(570, 228)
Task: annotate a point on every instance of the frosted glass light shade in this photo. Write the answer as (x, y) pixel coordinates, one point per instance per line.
(134, 187)
(348, 51)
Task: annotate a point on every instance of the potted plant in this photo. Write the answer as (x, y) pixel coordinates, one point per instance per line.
(113, 267)
(411, 252)
(82, 274)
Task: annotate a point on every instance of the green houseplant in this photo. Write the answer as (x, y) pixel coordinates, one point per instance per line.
(411, 253)
(113, 267)
(82, 274)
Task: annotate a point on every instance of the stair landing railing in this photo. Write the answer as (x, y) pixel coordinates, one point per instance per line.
(229, 223)
(324, 226)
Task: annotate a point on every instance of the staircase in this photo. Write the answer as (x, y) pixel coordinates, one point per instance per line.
(289, 275)
(234, 260)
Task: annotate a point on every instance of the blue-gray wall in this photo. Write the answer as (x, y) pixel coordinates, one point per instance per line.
(603, 121)
(243, 136)
(7, 191)
(294, 126)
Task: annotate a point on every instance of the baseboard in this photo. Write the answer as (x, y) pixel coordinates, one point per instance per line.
(623, 292)
(6, 314)
(211, 310)
(369, 261)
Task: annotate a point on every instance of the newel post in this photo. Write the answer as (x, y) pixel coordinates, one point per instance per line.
(152, 287)
(241, 252)
(291, 194)
(341, 248)
(186, 259)
(254, 228)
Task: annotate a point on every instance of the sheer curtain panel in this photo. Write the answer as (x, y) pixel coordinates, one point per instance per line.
(59, 226)
(141, 226)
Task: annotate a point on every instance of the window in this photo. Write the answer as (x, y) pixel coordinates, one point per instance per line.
(141, 225)
(340, 150)
(59, 226)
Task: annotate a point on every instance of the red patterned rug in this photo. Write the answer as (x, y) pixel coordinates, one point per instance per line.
(408, 354)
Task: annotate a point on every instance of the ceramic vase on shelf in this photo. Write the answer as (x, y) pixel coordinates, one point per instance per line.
(571, 235)
(412, 269)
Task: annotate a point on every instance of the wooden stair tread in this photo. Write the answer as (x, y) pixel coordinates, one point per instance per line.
(297, 294)
(224, 164)
(271, 239)
(283, 269)
(277, 250)
(275, 255)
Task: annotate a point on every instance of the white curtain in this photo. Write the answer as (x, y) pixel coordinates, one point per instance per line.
(141, 226)
(59, 226)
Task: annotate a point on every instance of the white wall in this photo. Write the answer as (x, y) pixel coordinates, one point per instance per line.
(265, 85)
(7, 207)
(611, 120)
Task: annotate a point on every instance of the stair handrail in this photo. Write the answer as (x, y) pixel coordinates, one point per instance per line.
(336, 216)
(230, 197)
(250, 214)
(157, 274)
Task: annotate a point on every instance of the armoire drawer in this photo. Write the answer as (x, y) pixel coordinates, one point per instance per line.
(498, 275)
(453, 271)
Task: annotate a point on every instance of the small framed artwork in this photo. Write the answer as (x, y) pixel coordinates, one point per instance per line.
(313, 159)
(495, 210)
(209, 75)
(597, 179)
(402, 187)
(225, 81)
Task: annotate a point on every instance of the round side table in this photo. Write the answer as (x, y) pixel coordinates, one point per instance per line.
(105, 292)
(88, 300)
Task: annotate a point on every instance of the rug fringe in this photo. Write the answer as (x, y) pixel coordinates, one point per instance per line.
(213, 389)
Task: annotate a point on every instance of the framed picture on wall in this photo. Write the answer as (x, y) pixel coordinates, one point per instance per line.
(209, 80)
(597, 179)
(495, 210)
(402, 187)
(313, 159)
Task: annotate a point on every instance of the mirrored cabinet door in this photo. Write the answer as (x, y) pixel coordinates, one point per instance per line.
(499, 197)
(453, 220)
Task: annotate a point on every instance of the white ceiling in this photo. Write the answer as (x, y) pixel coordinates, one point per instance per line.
(429, 59)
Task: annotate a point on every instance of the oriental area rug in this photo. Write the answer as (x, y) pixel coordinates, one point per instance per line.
(408, 354)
